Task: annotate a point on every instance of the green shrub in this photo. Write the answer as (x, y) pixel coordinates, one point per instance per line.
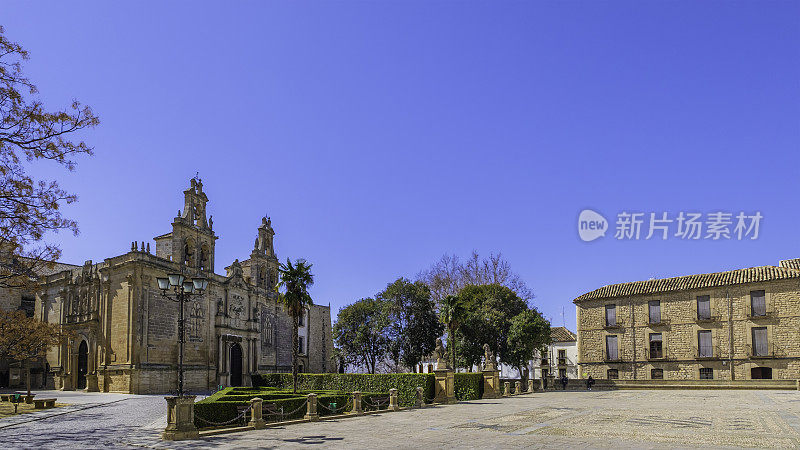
(468, 386)
(278, 404)
(405, 383)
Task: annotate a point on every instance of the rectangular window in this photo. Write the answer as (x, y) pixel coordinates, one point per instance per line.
(706, 373)
(704, 307)
(656, 347)
(613, 374)
(562, 373)
(760, 347)
(301, 320)
(612, 352)
(655, 311)
(544, 373)
(758, 303)
(611, 315)
(562, 353)
(704, 349)
(657, 374)
(301, 345)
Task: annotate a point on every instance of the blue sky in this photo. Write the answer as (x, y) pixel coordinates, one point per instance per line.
(380, 135)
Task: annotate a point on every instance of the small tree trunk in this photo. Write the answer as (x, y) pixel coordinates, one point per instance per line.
(28, 376)
(294, 355)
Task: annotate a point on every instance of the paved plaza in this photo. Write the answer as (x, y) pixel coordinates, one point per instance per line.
(598, 419)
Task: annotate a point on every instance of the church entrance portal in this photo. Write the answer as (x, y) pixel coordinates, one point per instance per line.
(83, 364)
(236, 365)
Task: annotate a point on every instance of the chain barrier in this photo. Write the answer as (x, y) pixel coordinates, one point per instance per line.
(240, 416)
(339, 410)
(376, 403)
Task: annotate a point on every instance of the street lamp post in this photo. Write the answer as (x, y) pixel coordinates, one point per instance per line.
(183, 289)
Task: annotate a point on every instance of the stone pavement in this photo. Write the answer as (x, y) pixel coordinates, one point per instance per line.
(610, 419)
(599, 419)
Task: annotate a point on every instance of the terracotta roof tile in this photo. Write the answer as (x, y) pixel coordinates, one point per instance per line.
(706, 280)
(561, 334)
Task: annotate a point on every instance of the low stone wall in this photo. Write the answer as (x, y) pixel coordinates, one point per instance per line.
(580, 385)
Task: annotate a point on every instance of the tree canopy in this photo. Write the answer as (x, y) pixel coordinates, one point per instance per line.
(450, 275)
(413, 323)
(29, 207)
(494, 314)
(360, 333)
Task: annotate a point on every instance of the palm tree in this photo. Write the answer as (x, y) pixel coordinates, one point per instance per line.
(296, 279)
(452, 314)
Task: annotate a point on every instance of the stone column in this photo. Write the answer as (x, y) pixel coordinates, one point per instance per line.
(393, 405)
(180, 419)
(357, 403)
(506, 389)
(518, 387)
(421, 396)
(445, 386)
(491, 384)
(256, 414)
(311, 408)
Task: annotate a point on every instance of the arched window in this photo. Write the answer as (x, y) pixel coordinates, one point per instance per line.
(188, 253)
(262, 276)
(204, 257)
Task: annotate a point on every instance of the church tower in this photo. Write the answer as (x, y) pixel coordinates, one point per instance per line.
(192, 239)
(263, 264)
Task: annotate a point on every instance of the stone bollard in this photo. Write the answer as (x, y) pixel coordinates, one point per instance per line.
(798, 385)
(420, 397)
(541, 383)
(393, 405)
(506, 389)
(180, 419)
(357, 403)
(518, 387)
(311, 411)
(530, 386)
(256, 414)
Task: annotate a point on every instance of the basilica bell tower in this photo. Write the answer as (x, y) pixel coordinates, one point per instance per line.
(192, 239)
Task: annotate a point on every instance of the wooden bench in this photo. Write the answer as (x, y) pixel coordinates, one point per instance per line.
(42, 403)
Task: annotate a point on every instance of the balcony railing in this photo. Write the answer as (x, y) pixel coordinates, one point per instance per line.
(660, 322)
(656, 354)
(562, 361)
(707, 352)
(611, 359)
(770, 351)
(616, 324)
(710, 319)
(769, 313)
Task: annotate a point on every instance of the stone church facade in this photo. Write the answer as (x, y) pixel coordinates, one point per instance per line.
(126, 332)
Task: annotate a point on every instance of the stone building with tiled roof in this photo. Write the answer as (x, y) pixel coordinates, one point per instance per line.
(734, 325)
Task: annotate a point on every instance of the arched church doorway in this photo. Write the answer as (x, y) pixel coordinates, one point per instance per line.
(236, 365)
(83, 364)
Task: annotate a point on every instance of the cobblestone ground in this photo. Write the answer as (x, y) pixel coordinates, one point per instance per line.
(604, 419)
(90, 420)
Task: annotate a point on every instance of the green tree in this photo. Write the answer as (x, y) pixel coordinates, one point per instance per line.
(488, 310)
(296, 279)
(413, 323)
(25, 339)
(30, 208)
(529, 332)
(360, 332)
(452, 315)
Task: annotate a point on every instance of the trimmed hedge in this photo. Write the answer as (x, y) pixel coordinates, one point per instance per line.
(468, 386)
(405, 383)
(224, 405)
